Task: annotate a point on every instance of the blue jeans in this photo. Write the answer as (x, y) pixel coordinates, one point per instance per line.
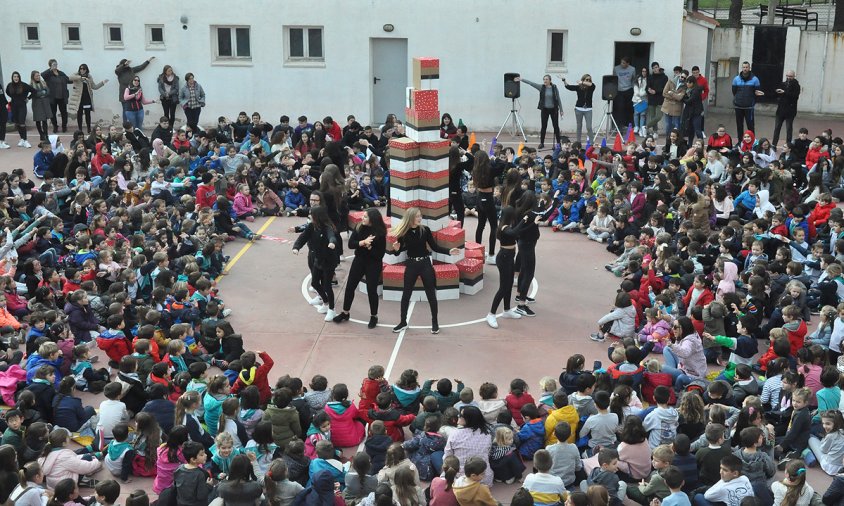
(699, 500)
(640, 119)
(681, 379)
(135, 117)
(671, 122)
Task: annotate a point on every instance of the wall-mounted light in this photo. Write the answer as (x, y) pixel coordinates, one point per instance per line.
(635, 31)
(184, 21)
(389, 28)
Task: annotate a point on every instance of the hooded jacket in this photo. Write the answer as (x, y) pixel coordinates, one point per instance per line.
(285, 423)
(757, 466)
(346, 427)
(472, 493)
(393, 420)
(407, 400)
(765, 205)
(81, 321)
(420, 449)
(115, 344)
(745, 87)
(260, 380)
(65, 463)
(623, 321)
(102, 157)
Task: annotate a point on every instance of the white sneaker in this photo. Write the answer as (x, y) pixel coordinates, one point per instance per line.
(490, 259)
(20, 143)
(3, 145)
(492, 321)
(26, 144)
(322, 309)
(227, 312)
(656, 135)
(316, 301)
(511, 314)
(329, 315)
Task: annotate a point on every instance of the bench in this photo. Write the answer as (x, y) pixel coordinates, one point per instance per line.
(793, 13)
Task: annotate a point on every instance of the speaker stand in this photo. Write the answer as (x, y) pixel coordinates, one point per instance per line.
(515, 122)
(607, 122)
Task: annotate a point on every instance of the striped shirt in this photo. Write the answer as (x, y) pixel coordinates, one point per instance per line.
(546, 489)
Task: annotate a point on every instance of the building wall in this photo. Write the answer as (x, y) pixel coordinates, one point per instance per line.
(817, 57)
(476, 40)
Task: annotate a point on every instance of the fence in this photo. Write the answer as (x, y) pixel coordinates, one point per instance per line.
(720, 10)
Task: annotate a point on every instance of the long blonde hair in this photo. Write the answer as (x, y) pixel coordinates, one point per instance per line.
(406, 222)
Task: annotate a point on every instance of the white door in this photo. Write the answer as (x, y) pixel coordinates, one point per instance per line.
(389, 78)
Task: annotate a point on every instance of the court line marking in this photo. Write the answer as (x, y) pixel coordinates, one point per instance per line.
(244, 249)
(534, 289)
(399, 341)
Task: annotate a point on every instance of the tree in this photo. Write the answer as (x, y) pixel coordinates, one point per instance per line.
(735, 13)
(838, 23)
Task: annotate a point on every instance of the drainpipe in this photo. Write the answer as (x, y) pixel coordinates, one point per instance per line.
(823, 69)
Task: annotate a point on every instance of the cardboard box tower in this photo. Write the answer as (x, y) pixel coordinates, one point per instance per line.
(419, 178)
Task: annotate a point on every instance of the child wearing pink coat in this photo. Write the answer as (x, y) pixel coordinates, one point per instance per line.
(242, 205)
(656, 331)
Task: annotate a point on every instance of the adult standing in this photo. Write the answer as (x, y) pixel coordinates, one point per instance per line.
(788, 93)
(322, 239)
(192, 98)
(133, 103)
(692, 120)
(549, 105)
(5, 116)
(57, 82)
(672, 105)
(369, 241)
(19, 93)
(40, 103)
(745, 90)
(82, 98)
(485, 182)
(415, 238)
(459, 161)
(656, 84)
(640, 103)
(623, 103)
(168, 92)
(471, 439)
(125, 73)
(584, 88)
(684, 358)
(704, 95)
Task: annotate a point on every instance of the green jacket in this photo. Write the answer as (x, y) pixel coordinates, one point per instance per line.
(14, 438)
(443, 401)
(285, 424)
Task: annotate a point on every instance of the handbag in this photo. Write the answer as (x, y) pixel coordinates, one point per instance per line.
(640, 107)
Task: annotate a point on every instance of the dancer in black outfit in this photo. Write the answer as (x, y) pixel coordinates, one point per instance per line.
(415, 238)
(459, 160)
(508, 233)
(484, 180)
(526, 259)
(322, 239)
(369, 240)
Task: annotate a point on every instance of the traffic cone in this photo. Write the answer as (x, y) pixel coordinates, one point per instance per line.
(617, 144)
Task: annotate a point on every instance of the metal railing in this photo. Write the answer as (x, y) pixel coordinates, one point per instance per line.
(720, 10)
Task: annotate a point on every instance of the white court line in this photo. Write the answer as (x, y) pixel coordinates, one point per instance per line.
(534, 289)
(397, 346)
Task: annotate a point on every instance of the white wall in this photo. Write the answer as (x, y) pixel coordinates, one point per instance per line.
(477, 41)
(695, 44)
(817, 57)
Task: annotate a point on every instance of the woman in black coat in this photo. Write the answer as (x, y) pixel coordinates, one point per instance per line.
(369, 241)
(322, 239)
(19, 92)
(692, 119)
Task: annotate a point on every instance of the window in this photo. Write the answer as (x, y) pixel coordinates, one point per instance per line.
(155, 36)
(304, 44)
(557, 49)
(231, 43)
(71, 36)
(30, 36)
(113, 36)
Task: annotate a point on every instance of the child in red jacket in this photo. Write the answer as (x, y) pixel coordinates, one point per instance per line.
(250, 374)
(517, 398)
(113, 341)
(372, 385)
(393, 420)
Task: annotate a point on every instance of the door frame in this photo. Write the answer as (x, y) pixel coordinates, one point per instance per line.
(376, 122)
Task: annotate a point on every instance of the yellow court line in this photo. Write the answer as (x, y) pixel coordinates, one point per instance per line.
(244, 249)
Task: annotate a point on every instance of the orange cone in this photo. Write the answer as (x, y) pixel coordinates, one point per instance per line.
(471, 139)
(617, 144)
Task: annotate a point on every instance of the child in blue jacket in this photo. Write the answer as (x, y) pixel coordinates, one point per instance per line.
(532, 433)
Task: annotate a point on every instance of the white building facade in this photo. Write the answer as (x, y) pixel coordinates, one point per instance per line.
(332, 57)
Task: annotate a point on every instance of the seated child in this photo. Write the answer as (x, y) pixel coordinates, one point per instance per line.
(606, 475)
(319, 394)
(796, 438)
(445, 396)
(468, 488)
(544, 487)
(506, 465)
(426, 449)
(709, 458)
(730, 489)
(87, 378)
(252, 375)
(297, 462)
(674, 480)
(532, 433)
(564, 455)
(602, 426)
(325, 461)
(393, 419)
(112, 411)
(655, 487)
(119, 453)
(661, 423)
(376, 445)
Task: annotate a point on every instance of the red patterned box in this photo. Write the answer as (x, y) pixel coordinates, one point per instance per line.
(432, 180)
(393, 276)
(425, 69)
(454, 224)
(425, 100)
(434, 150)
(450, 237)
(418, 120)
(471, 270)
(391, 239)
(447, 274)
(355, 217)
(474, 250)
(404, 148)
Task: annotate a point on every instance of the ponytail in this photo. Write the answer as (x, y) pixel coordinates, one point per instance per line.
(28, 473)
(276, 472)
(451, 466)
